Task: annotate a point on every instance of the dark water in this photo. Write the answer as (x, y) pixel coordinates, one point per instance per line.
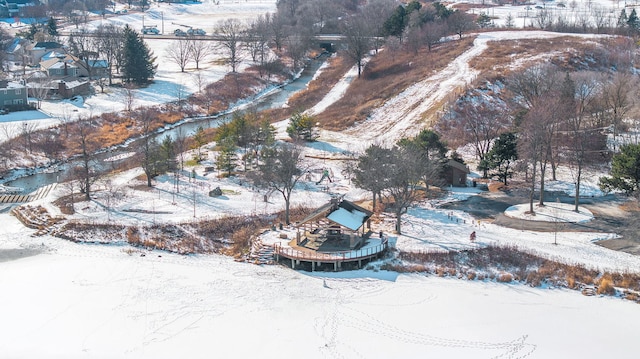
(275, 99)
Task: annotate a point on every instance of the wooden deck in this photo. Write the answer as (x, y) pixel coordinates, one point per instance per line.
(301, 255)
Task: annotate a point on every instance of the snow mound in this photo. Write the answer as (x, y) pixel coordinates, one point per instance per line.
(550, 212)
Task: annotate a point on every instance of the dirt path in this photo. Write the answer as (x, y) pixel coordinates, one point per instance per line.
(609, 217)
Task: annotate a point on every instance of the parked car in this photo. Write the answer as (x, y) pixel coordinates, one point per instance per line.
(196, 32)
(179, 32)
(539, 7)
(150, 30)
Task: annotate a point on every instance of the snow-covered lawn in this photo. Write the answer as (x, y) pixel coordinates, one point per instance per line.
(61, 299)
(88, 301)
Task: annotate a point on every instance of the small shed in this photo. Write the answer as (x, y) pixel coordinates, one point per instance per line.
(455, 173)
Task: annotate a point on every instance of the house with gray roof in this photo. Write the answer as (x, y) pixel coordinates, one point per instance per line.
(12, 94)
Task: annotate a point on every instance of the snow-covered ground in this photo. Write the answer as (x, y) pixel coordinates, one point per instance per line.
(170, 84)
(70, 300)
(63, 299)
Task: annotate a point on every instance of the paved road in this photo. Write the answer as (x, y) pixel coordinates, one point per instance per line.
(608, 216)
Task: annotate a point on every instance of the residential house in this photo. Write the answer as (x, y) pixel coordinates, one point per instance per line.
(61, 67)
(12, 94)
(99, 68)
(68, 89)
(36, 51)
(12, 8)
(16, 51)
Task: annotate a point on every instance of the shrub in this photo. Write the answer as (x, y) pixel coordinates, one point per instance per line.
(606, 287)
(471, 275)
(241, 241)
(632, 296)
(505, 278)
(534, 278)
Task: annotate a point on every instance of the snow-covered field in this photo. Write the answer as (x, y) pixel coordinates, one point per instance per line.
(65, 300)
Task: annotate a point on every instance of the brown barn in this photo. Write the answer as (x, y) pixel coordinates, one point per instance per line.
(455, 173)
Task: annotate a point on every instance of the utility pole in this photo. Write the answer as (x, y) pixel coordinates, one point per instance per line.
(194, 193)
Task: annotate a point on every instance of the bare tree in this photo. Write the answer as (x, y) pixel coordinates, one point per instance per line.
(482, 123)
(230, 32)
(601, 18)
(617, 100)
(281, 169)
(180, 52)
(583, 20)
(544, 19)
(357, 38)
(147, 152)
(28, 129)
(373, 13)
(528, 86)
(129, 97)
(199, 79)
(87, 172)
(51, 143)
(40, 90)
(199, 51)
(531, 145)
(84, 44)
(403, 185)
(278, 29)
(413, 32)
(320, 16)
(432, 32)
(110, 40)
(258, 39)
(460, 23)
(580, 127)
(297, 46)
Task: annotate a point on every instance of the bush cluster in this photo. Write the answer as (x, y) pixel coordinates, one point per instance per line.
(506, 264)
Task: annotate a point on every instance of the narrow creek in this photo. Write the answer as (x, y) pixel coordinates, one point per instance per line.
(31, 180)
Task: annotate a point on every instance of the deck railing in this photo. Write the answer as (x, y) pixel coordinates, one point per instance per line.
(341, 256)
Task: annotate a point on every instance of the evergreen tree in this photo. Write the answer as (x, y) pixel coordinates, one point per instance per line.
(227, 157)
(199, 139)
(625, 171)
(633, 22)
(138, 61)
(483, 20)
(301, 127)
(442, 11)
(394, 25)
(503, 153)
(413, 5)
(33, 30)
(52, 27)
(374, 170)
(508, 21)
(622, 19)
